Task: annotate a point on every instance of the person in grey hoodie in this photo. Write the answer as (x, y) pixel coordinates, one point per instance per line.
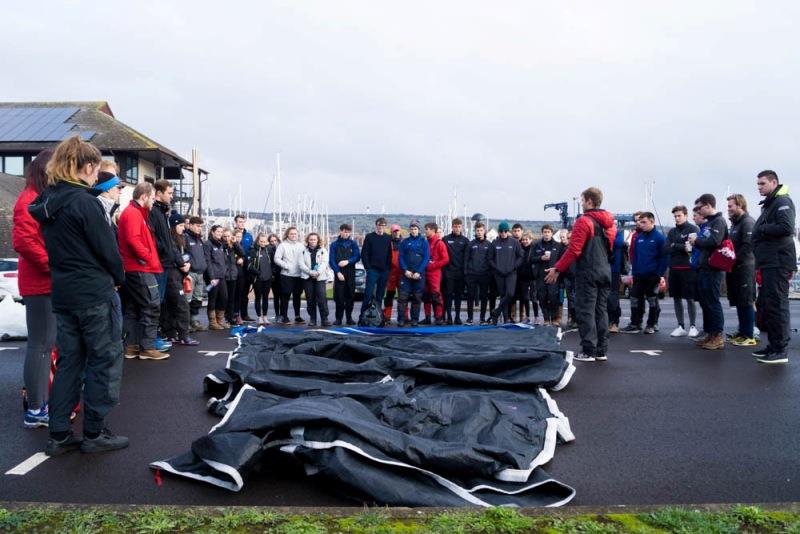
(288, 256)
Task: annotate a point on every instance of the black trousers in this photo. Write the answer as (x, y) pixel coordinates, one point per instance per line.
(244, 285)
(277, 292)
(453, 292)
(261, 292)
(316, 299)
(344, 292)
(477, 291)
(522, 295)
(291, 286)
(506, 285)
(142, 309)
(547, 294)
(591, 314)
(773, 306)
(90, 359)
(614, 309)
(175, 319)
(218, 297)
(645, 288)
(233, 303)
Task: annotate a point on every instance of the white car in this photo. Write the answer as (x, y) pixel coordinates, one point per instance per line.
(9, 277)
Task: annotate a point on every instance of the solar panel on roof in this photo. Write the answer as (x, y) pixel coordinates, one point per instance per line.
(35, 123)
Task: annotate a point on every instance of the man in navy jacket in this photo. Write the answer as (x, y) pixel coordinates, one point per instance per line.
(649, 261)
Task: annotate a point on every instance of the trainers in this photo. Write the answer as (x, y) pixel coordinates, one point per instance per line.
(613, 329)
(312, 322)
(299, 320)
(649, 329)
(326, 323)
(693, 331)
(162, 345)
(439, 322)
(585, 357)
(468, 322)
(350, 321)
(761, 353)
(775, 357)
(426, 320)
(36, 418)
(188, 342)
(285, 320)
(57, 448)
(631, 329)
(131, 352)
(106, 441)
(744, 342)
(601, 357)
(457, 321)
(198, 326)
(733, 335)
(153, 354)
(679, 332)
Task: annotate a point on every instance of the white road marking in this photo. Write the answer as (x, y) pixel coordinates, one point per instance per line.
(211, 353)
(28, 465)
(8, 348)
(655, 352)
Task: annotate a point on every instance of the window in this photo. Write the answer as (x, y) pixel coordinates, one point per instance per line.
(13, 165)
(129, 166)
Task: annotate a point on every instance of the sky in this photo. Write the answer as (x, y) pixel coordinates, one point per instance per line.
(393, 106)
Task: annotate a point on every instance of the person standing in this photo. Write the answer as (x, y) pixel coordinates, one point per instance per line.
(35, 288)
(137, 246)
(376, 256)
(741, 281)
(288, 256)
(545, 255)
(246, 283)
(216, 271)
(505, 256)
(275, 285)
(316, 275)
(477, 272)
(457, 246)
(432, 299)
(176, 305)
(590, 246)
(343, 258)
(259, 265)
(395, 275)
(86, 268)
(197, 272)
(682, 278)
(233, 260)
(619, 267)
(413, 258)
(709, 279)
(158, 221)
(522, 292)
(775, 258)
(648, 265)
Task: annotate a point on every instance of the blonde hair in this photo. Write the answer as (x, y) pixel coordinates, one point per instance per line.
(319, 239)
(527, 234)
(71, 155)
(109, 166)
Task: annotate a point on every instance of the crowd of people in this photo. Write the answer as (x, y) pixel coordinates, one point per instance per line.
(99, 285)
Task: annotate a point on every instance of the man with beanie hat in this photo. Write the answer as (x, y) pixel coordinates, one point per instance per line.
(413, 257)
(433, 275)
(197, 260)
(107, 189)
(504, 256)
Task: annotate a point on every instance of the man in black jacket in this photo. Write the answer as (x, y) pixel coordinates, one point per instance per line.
(545, 255)
(775, 257)
(376, 256)
(197, 260)
(741, 281)
(505, 255)
(682, 278)
(453, 272)
(477, 273)
(158, 221)
(709, 279)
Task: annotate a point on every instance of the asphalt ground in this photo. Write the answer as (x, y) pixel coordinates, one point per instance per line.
(681, 426)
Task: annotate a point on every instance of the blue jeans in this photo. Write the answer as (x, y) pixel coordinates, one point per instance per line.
(375, 284)
(161, 278)
(747, 320)
(709, 284)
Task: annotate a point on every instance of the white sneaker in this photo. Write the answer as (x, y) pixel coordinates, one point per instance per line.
(693, 331)
(259, 320)
(678, 332)
(584, 357)
(265, 321)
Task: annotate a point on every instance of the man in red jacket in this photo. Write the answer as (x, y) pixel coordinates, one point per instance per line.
(140, 259)
(433, 275)
(590, 247)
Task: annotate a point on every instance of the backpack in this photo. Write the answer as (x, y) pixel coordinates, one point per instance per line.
(372, 317)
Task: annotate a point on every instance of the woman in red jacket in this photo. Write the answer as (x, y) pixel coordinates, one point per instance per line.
(34, 287)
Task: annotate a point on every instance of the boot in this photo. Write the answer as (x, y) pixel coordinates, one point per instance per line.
(212, 321)
(717, 342)
(387, 313)
(557, 319)
(702, 341)
(224, 325)
(197, 325)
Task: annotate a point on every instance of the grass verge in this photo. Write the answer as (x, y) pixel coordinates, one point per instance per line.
(85, 520)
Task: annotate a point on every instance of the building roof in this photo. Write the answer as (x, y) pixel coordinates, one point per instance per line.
(92, 120)
(10, 188)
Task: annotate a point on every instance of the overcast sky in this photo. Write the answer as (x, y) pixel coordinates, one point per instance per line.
(395, 104)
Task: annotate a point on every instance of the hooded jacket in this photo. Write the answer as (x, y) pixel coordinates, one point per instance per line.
(288, 256)
(439, 256)
(196, 251)
(232, 254)
(505, 255)
(477, 261)
(457, 246)
(84, 260)
(592, 263)
(620, 265)
(158, 221)
(555, 248)
(676, 245)
(344, 249)
(414, 254)
(137, 245)
(714, 233)
(216, 260)
(741, 234)
(34, 272)
(773, 232)
(650, 257)
(323, 268)
(259, 262)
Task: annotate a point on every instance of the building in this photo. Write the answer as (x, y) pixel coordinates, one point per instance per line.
(28, 127)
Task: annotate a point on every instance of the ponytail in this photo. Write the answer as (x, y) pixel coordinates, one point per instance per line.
(70, 156)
